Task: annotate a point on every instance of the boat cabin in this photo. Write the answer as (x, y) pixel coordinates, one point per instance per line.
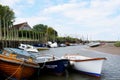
(17, 54)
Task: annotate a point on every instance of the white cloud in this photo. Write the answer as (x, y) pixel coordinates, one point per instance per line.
(94, 17)
(9, 2)
(31, 1)
(31, 20)
(97, 15)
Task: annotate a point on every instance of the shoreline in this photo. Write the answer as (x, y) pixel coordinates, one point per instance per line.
(107, 48)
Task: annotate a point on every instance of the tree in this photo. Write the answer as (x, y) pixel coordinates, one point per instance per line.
(50, 33)
(6, 16)
(40, 28)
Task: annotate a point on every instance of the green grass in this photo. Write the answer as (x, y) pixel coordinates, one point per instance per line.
(117, 44)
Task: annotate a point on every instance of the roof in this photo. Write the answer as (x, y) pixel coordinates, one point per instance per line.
(18, 26)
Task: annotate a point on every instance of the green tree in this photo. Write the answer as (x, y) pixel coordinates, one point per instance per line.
(51, 34)
(51, 31)
(40, 28)
(6, 16)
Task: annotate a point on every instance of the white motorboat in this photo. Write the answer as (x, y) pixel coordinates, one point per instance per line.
(94, 44)
(28, 48)
(91, 66)
(52, 45)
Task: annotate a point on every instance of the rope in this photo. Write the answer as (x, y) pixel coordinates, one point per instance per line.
(67, 74)
(15, 71)
(43, 65)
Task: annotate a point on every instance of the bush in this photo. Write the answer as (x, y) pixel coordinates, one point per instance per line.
(117, 44)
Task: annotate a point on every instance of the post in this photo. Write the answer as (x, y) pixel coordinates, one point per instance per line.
(0, 29)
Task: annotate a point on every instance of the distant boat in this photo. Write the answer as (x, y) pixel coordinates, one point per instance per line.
(62, 45)
(41, 47)
(52, 64)
(52, 45)
(16, 63)
(28, 48)
(91, 66)
(94, 44)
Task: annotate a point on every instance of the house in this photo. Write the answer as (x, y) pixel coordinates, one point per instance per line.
(22, 26)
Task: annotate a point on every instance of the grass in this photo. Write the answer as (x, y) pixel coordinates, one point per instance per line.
(117, 44)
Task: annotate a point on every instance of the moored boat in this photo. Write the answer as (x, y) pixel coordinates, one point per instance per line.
(52, 64)
(16, 63)
(40, 47)
(94, 44)
(52, 45)
(90, 66)
(28, 48)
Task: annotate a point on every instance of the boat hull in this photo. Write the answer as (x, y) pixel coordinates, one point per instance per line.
(14, 68)
(57, 67)
(91, 67)
(42, 48)
(94, 44)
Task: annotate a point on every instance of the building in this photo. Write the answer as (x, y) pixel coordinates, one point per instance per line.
(22, 26)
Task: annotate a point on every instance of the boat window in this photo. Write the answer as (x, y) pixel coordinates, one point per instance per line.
(23, 46)
(28, 47)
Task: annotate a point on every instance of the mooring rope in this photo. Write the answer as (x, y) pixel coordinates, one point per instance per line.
(15, 71)
(43, 65)
(67, 74)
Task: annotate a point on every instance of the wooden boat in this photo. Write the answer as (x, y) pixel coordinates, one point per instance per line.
(52, 64)
(91, 66)
(16, 63)
(28, 48)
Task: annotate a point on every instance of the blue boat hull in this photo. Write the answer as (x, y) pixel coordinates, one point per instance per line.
(83, 72)
(57, 67)
(91, 74)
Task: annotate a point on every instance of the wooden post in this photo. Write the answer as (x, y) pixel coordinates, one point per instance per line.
(0, 28)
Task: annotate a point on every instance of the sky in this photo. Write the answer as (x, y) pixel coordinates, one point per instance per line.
(86, 19)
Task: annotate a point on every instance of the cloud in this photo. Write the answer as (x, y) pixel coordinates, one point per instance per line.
(31, 1)
(92, 17)
(96, 17)
(31, 20)
(9, 2)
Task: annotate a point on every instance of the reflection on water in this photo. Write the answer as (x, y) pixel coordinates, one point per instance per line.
(71, 76)
(110, 70)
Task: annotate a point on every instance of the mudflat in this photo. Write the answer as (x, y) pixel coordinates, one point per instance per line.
(107, 48)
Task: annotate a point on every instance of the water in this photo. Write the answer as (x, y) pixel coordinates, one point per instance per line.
(110, 70)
